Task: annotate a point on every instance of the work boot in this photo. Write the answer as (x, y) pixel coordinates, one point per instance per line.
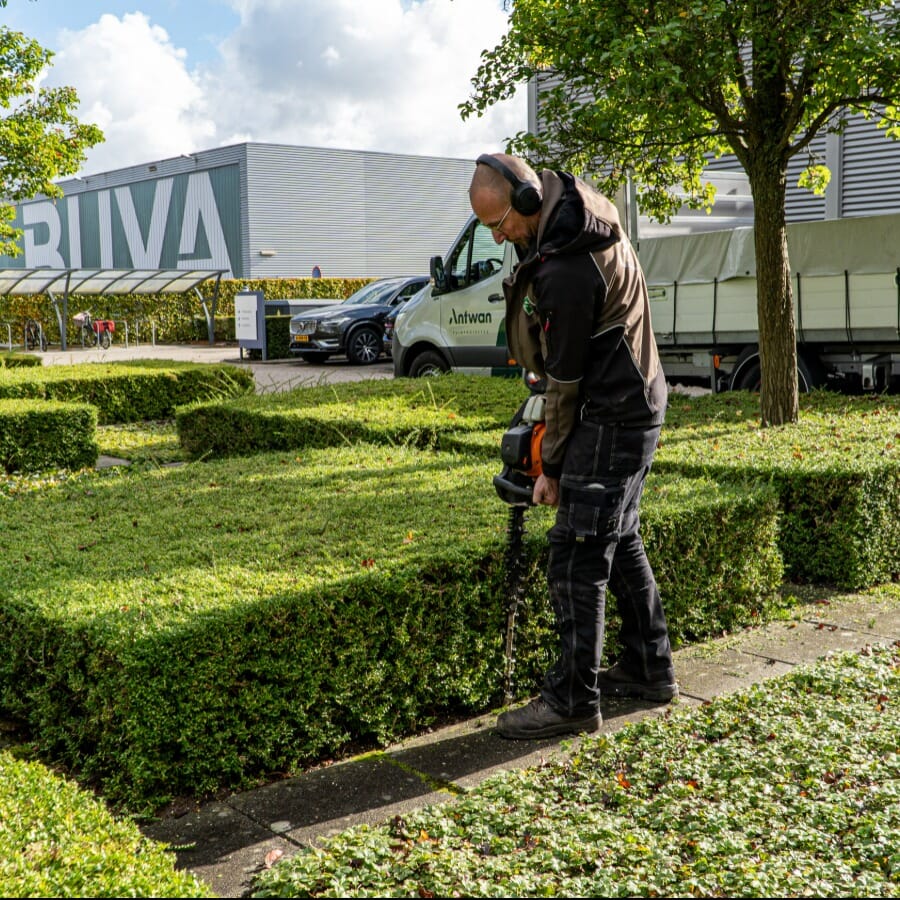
(538, 720)
(617, 681)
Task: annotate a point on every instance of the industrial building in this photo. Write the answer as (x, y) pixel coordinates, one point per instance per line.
(253, 210)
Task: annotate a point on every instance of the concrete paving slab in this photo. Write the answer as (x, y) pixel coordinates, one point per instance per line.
(365, 789)
(802, 642)
(721, 670)
(467, 753)
(879, 617)
(109, 462)
(220, 845)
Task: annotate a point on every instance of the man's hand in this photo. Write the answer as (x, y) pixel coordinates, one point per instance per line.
(546, 491)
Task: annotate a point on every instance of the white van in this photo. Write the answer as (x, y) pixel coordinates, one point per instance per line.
(458, 322)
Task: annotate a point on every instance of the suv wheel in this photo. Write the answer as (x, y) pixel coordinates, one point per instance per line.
(364, 346)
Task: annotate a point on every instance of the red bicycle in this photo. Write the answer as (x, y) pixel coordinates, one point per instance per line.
(94, 331)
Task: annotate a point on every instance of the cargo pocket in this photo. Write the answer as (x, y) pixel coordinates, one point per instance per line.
(590, 510)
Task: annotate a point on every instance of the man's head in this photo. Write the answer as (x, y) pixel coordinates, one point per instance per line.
(505, 194)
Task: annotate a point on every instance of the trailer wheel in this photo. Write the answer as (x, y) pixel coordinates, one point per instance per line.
(747, 373)
(427, 364)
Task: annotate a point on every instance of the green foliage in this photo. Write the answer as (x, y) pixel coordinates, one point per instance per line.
(142, 443)
(437, 413)
(837, 475)
(38, 434)
(173, 630)
(11, 360)
(127, 392)
(176, 317)
(59, 841)
(40, 138)
(182, 630)
(788, 789)
(651, 91)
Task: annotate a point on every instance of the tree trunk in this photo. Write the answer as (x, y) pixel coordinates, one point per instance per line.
(774, 298)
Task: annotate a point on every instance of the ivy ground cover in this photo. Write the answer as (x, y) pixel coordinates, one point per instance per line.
(789, 789)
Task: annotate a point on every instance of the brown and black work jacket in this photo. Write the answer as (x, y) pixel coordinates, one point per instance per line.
(577, 313)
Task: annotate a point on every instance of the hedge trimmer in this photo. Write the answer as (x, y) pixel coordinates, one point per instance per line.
(520, 450)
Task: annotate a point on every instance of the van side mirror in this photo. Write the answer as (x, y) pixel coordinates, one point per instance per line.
(438, 275)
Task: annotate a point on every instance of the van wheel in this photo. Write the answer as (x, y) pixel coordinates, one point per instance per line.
(427, 364)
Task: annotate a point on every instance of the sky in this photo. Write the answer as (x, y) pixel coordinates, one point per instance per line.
(166, 77)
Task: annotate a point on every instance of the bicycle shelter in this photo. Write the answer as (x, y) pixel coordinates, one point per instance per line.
(61, 284)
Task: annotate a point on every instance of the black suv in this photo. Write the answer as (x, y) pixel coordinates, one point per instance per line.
(354, 327)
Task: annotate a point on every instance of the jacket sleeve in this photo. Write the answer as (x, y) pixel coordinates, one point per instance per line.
(568, 290)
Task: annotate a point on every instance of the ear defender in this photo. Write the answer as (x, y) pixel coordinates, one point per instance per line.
(525, 198)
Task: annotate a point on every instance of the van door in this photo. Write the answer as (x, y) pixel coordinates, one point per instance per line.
(473, 310)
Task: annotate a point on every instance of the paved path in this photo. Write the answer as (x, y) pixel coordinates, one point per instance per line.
(273, 375)
(226, 842)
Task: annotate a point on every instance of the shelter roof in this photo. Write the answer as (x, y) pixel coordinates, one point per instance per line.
(103, 281)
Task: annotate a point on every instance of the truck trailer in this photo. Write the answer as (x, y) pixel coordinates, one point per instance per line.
(702, 287)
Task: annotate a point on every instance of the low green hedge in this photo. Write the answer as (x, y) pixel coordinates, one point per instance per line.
(40, 434)
(440, 413)
(59, 841)
(128, 392)
(13, 360)
(184, 630)
(837, 474)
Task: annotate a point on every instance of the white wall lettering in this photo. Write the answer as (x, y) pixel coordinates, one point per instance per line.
(42, 254)
(145, 256)
(106, 241)
(200, 205)
(74, 233)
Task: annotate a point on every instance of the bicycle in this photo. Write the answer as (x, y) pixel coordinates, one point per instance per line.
(94, 331)
(33, 337)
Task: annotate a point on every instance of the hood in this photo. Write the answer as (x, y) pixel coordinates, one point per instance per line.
(575, 217)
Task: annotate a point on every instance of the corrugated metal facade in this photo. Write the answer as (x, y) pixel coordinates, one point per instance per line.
(351, 213)
(255, 210)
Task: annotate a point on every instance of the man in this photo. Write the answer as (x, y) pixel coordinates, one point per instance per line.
(577, 314)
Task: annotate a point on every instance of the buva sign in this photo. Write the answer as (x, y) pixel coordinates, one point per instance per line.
(167, 223)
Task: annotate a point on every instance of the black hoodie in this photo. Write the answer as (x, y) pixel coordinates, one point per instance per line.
(577, 313)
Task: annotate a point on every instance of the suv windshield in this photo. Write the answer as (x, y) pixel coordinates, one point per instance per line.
(375, 292)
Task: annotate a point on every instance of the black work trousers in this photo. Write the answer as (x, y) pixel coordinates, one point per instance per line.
(594, 543)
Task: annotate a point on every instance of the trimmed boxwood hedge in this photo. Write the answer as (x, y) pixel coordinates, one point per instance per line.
(57, 840)
(837, 474)
(184, 630)
(40, 434)
(13, 360)
(128, 392)
(439, 413)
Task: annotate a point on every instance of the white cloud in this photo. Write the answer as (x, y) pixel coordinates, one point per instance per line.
(384, 75)
(134, 84)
